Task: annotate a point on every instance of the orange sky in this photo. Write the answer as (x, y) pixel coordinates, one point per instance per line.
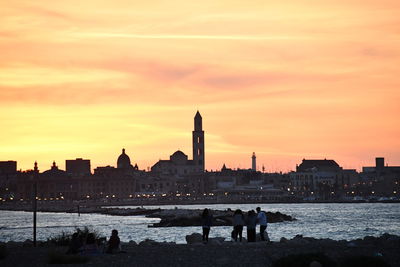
(286, 79)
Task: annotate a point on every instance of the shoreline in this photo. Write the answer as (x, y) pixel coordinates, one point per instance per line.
(168, 217)
(70, 206)
(216, 252)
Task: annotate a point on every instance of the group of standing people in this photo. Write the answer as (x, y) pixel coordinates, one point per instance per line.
(239, 221)
(253, 218)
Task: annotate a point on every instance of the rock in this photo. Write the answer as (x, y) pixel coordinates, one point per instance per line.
(182, 217)
(283, 240)
(148, 242)
(223, 261)
(216, 240)
(315, 264)
(132, 243)
(194, 238)
(258, 238)
(27, 243)
(369, 238)
(12, 244)
(351, 245)
(298, 240)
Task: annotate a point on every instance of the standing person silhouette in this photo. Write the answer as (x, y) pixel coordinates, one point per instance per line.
(262, 221)
(238, 223)
(206, 223)
(251, 223)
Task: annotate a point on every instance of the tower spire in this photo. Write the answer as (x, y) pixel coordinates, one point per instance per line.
(198, 142)
(253, 162)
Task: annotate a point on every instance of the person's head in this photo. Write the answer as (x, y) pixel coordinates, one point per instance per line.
(75, 236)
(205, 213)
(238, 211)
(90, 239)
(114, 232)
(250, 213)
(258, 209)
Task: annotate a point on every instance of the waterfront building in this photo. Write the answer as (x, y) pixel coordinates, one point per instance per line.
(78, 166)
(380, 180)
(323, 179)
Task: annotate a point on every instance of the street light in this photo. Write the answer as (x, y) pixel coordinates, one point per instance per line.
(35, 177)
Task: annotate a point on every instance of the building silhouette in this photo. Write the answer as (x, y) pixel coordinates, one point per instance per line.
(183, 178)
(77, 166)
(253, 162)
(178, 163)
(198, 143)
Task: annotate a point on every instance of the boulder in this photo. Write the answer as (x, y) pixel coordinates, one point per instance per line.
(194, 238)
(315, 264)
(27, 243)
(216, 240)
(148, 242)
(283, 240)
(13, 244)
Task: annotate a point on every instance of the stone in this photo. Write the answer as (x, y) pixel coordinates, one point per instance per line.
(216, 240)
(148, 242)
(283, 240)
(315, 264)
(27, 243)
(194, 238)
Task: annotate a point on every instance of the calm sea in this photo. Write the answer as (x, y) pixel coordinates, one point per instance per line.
(335, 221)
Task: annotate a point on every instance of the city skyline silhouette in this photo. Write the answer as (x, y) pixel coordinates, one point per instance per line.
(287, 81)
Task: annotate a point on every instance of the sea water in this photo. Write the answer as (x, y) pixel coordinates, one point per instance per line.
(336, 221)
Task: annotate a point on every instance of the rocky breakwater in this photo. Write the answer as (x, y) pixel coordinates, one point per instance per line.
(184, 217)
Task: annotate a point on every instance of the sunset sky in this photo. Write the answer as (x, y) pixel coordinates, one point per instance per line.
(285, 79)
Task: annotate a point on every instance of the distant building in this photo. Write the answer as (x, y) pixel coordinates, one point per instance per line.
(380, 180)
(381, 168)
(124, 162)
(178, 163)
(318, 165)
(253, 162)
(78, 166)
(321, 178)
(198, 143)
(8, 167)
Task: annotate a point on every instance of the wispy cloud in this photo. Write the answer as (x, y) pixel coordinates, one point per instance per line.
(184, 36)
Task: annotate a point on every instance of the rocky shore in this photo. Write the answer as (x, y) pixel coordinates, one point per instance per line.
(318, 252)
(183, 217)
(169, 217)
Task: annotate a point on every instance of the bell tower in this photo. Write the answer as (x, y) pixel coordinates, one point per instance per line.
(198, 142)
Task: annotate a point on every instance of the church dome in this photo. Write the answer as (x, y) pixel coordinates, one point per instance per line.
(123, 162)
(179, 157)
